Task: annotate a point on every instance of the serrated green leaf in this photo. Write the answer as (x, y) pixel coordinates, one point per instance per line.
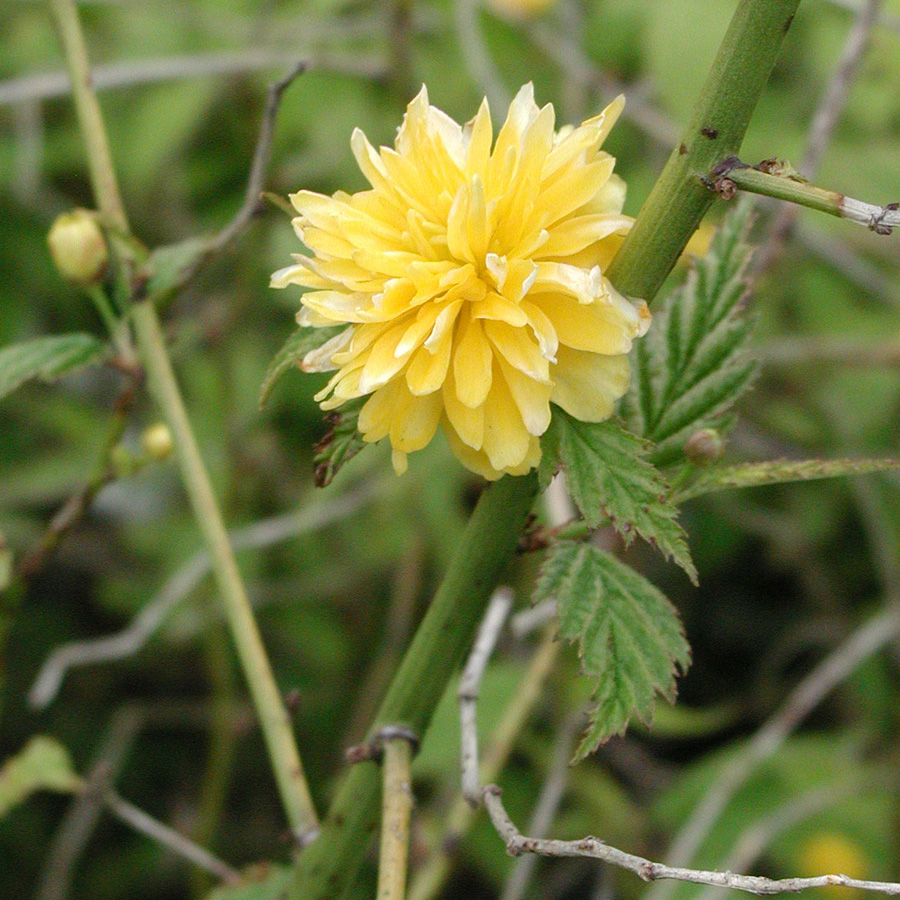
(262, 881)
(610, 478)
(43, 764)
(47, 358)
(780, 471)
(295, 348)
(340, 444)
(629, 636)
(692, 365)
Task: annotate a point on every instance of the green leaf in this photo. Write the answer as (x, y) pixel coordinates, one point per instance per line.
(342, 442)
(629, 636)
(262, 881)
(609, 477)
(290, 355)
(47, 358)
(169, 267)
(692, 365)
(42, 765)
(780, 471)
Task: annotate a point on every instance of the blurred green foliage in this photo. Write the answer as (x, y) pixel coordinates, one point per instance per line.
(785, 573)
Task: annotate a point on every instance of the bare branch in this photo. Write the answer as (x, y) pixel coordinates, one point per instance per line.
(865, 641)
(133, 638)
(517, 844)
(168, 837)
(551, 796)
(469, 685)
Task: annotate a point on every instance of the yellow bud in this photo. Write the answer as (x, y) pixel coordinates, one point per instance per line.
(78, 247)
(831, 853)
(157, 441)
(519, 9)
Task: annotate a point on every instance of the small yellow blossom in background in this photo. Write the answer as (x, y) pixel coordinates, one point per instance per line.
(471, 281)
(519, 9)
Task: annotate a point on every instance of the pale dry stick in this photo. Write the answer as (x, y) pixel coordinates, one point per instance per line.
(545, 810)
(591, 847)
(84, 811)
(822, 127)
(852, 265)
(885, 19)
(168, 837)
(50, 85)
(469, 683)
(801, 351)
(397, 804)
(752, 843)
(835, 668)
(864, 642)
(433, 873)
(181, 583)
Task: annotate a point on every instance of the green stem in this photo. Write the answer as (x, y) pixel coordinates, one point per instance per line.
(267, 701)
(274, 720)
(880, 219)
(397, 804)
(327, 867)
(99, 158)
(717, 126)
(663, 228)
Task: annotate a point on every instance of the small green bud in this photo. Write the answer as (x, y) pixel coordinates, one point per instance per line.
(704, 447)
(157, 441)
(78, 247)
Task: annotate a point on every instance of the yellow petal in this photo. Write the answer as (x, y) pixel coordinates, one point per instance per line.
(588, 385)
(519, 347)
(427, 370)
(531, 397)
(506, 439)
(597, 327)
(414, 421)
(472, 363)
(467, 422)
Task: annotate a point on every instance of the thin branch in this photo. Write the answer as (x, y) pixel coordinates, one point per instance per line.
(768, 740)
(256, 182)
(769, 179)
(755, 839)
(179, 585)
(795, 350)
(476, 55)
(168, 837)
(71, 512)
(832, 105)
(517, 844)
(84, 811)
(545, 810)
(469, 684)
(861, 645)
(173, 68)
(397, 804)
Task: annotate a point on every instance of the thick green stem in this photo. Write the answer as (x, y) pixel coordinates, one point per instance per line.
(719, 121)
(663, 228)
(327, 867)
(267, 701)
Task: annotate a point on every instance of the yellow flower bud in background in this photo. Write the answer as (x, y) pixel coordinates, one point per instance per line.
(157, 441)
(78, 247)
(832, 853)
(519, 9)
